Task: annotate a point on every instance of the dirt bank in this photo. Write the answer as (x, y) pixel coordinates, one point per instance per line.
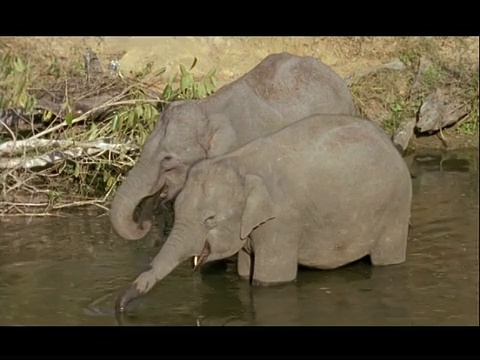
(384, 75)
(234, 56)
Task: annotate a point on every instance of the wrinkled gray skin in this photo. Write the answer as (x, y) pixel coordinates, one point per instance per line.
(323, 192)
(281, 89)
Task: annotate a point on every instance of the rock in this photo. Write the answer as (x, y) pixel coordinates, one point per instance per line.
(404, 133)
(396, 65)
(440, 110)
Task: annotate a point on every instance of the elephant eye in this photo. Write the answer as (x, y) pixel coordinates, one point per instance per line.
(209, 220)
(168, 163)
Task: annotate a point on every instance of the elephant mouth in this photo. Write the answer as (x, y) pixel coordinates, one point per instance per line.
(199, 260)
(163, 192)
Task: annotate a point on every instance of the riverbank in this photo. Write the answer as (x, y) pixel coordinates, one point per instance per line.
(98, 105)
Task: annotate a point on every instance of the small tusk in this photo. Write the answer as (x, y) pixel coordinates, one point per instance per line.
(164, 192)
(195, 261)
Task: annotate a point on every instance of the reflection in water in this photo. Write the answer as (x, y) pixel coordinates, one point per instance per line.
(67, 271)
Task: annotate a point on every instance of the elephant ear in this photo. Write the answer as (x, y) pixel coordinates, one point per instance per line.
(217, 136)
(258, 205)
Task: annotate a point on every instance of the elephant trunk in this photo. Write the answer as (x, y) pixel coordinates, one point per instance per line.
(179, 246)
(141, 182)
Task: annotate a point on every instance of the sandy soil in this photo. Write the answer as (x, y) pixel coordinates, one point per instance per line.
(234, 56)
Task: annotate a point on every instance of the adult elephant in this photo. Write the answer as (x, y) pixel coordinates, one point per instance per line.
(280, 90)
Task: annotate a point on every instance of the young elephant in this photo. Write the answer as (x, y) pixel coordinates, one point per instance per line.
(322, 192)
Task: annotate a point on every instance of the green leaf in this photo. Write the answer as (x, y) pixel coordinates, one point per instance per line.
(30, 103)
(195, 90)
(161, 71)
(202, 90)
(76, 172)
(139, 111)
(183, 70)
(174, 78)
(115, 122)
(93, 132)
(194, 63)
(146, 111)
(120, 122)
(65, 105)
(47, 115)
(211, 72)
(69, 119)
(186, 82)
(19, 65)
(110, 182)
(210, 88)
(167, 92)
(131, 119)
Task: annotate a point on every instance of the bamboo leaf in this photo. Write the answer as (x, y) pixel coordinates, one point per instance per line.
(47, 115)
(69, 119)
(146, 112)
(211, 72)
(76, 172)
(202, 90)
(186, 82)
(167, 92)
(139, 111)
(110, 182)
(19, 65)
(161, 71)
(183, 70)
(115, 122)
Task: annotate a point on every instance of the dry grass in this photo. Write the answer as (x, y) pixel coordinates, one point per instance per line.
(384, 96)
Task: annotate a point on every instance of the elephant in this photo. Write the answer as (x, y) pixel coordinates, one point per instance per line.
(323, 192)
(280, 90)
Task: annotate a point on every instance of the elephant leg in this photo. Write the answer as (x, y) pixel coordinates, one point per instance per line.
(244, 264)
(275, 254)
(391, 248)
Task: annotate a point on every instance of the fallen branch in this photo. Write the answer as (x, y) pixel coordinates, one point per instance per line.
(112, 102)
(71, 150)
(31, 144)
(31, 215)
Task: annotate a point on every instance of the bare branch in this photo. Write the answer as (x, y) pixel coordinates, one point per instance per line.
(110, 103)
(30, 144)
(70, 150)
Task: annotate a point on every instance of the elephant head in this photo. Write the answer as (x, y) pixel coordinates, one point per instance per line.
(182, 136)
(280, 90)
(215, 213)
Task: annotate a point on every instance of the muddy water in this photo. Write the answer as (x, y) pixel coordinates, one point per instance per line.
(66, 271)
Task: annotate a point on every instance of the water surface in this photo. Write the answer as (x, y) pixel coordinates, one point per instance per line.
(67, 271)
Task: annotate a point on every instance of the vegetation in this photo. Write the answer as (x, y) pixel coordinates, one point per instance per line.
(67, 157)
(391, 97)
(59, 147)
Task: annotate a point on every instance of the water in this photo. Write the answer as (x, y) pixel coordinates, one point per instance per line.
(67, 271)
